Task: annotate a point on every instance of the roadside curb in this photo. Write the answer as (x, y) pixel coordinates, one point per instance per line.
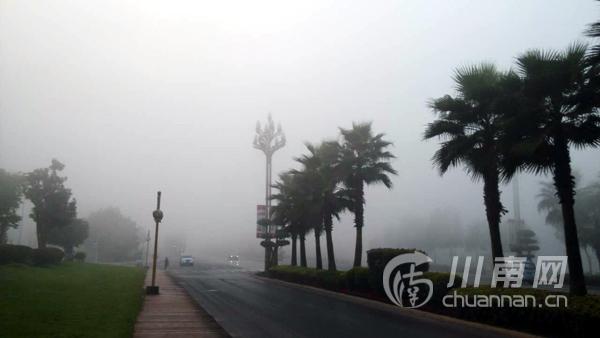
(412, 313)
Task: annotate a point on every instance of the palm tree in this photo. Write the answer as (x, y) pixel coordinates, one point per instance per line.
(328, 199)
(593, 31)
(334, 198)
(587, 213)
(283, 210)
(311, 185)
(291, 211)
(470, 126)
(559, 112)
(363, 160)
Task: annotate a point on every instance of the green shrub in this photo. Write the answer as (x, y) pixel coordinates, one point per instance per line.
(47, 256)
(15, 254)
(332, 280)
(377, 260)
(440, 281)
(357, 279)
(79, 256)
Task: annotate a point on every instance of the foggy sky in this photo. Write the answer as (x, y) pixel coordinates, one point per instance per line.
(140, 96)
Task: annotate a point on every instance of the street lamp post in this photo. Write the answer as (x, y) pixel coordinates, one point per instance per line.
(268, 140)
(158, 216)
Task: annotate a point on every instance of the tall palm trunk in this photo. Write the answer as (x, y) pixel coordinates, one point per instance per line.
(302, 251)
(294, 257)
(328, 221)
(564, 183)
(358, 223)
(493, 209)
(318, 249)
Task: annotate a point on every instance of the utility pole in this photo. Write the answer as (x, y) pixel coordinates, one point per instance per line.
(147, 246)
(268, 140)
(158, 216)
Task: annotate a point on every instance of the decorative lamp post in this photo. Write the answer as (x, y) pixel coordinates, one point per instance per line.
(158, 216)
(269, 139)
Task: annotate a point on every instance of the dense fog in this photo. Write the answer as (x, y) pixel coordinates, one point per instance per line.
(140, 96)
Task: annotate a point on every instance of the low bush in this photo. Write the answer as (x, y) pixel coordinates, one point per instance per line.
(440, 287)
(377, 259)
(578, 319)
(357, 279)
(79, 256)
(332, 280)
(47, 256)
(15, 254)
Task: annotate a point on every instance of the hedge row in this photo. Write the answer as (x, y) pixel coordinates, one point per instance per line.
(332, 280)
(354, 280)
(22, 254)
(377, 259)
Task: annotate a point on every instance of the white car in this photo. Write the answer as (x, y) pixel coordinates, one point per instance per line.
(186, 260)
(234, 260)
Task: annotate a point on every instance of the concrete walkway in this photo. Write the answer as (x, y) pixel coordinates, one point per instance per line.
(173, 313)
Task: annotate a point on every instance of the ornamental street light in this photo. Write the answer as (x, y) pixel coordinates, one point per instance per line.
(268, 140)
(158, 216)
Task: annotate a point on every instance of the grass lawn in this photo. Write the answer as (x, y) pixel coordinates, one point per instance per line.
(70, 300)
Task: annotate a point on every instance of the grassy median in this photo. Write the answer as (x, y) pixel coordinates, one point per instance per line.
(69, 300)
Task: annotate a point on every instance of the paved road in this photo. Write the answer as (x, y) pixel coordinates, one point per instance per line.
(249, 306)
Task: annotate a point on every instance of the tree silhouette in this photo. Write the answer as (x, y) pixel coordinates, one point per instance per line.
(470, 127)
(10, 199)
(53, 206)
(364, 160)
(559, 112)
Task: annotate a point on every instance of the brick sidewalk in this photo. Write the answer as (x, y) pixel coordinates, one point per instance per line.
(173, 313)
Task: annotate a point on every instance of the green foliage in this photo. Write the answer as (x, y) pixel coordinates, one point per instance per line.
(15, 254)
(79, 256)
(53, 206)
(10, 199)
(69, 236)
(357, 279)
(377, 260)
(47, 256)
(587, 212)
(116, 236)
(578, 319)
(440, 287)
(332, 280)
(70, 300)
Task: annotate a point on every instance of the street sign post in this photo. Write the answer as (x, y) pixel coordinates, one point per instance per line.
(262, 228)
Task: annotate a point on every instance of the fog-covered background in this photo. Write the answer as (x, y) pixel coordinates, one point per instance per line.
(140, 96)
